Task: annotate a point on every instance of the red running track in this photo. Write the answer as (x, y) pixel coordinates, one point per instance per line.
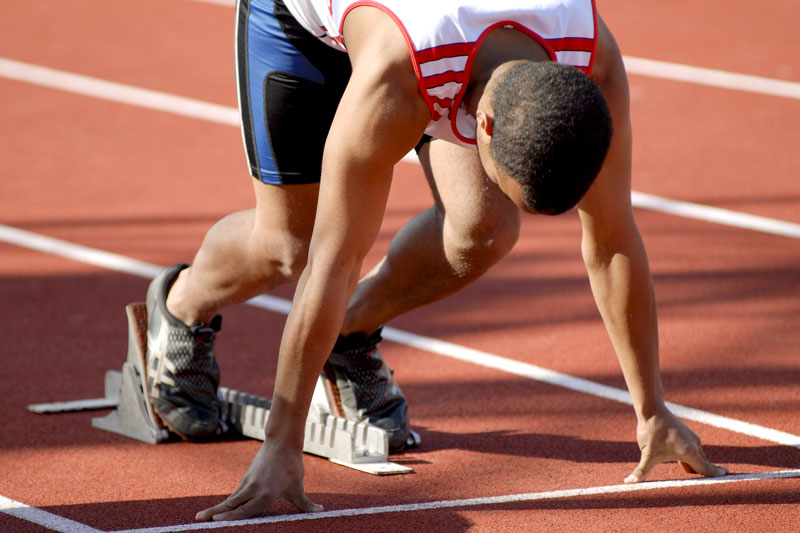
(147, 184)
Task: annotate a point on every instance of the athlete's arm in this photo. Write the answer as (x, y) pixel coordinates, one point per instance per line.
(380, 118)
(620, 277)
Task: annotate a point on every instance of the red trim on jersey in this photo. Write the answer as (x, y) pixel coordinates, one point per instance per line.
(594, 40)
(338, 39)
(468, 67)
(435, 80)
(409, 44)
(470, 50)
(443, 102)
(443, 51)
(576, 44)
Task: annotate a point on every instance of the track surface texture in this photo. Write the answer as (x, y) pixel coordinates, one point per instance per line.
(501, 451)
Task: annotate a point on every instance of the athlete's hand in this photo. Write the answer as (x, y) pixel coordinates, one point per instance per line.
(276, 473)
(665, 438)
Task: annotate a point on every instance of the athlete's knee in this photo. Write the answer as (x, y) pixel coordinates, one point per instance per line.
(292, 261)
(281, 229)
(279, 255)
(472, 248)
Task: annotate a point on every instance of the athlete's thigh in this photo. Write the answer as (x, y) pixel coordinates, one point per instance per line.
(470, 202)
(284, 215)
(289, 85)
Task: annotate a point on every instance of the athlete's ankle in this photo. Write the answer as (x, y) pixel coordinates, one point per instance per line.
(180, 307)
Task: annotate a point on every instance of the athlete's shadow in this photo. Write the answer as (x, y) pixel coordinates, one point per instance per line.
(579, 450)
(178, 514)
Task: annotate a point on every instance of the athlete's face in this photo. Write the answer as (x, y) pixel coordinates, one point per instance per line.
(506, 183)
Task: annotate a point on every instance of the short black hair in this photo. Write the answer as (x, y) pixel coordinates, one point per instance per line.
(551, 133)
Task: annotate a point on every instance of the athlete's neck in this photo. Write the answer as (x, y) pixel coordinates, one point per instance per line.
(501, 47)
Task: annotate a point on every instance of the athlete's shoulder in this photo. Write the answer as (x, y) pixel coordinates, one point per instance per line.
(371, 35)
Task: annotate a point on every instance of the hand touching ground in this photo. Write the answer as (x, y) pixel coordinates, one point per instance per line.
(275, 474)
(664, 438)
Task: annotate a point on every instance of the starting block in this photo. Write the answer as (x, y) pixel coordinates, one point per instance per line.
(356, 445)
(134, 416)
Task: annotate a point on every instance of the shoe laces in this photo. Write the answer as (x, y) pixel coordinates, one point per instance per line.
(356, 351)
(206, 333)
(358, 344)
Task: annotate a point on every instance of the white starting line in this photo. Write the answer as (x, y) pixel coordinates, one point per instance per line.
(59, 523)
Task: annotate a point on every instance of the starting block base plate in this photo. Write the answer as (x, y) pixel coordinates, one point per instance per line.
(378, 469)
(360, 446)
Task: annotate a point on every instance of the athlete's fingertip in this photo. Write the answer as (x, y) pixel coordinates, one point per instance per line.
(705, 468)
(307, 506)
(208, 514)
(634, 477)
(720, 471)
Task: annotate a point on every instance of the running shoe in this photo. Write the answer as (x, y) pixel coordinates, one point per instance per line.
(182, 373)
(361, 387)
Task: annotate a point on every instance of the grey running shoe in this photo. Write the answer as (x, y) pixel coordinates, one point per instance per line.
(361, 387)
(182, 374)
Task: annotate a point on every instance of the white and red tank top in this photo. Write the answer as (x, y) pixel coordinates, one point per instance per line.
(444, 36)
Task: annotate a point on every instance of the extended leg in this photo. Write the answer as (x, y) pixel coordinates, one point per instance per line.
(242, 255)
(289, 85)
(471, 226)
(443, 249)
(247, 253)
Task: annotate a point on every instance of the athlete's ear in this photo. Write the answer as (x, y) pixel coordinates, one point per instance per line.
(485, 122)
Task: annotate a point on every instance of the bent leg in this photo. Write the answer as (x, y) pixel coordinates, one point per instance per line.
(443, 249)
(247, 253)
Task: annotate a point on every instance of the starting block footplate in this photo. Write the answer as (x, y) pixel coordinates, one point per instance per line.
(356, 445)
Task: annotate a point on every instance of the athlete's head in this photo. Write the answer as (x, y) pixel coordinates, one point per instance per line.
(548, 129)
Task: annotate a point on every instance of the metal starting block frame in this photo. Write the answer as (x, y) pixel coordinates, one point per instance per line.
(360, 446)
(356, 445)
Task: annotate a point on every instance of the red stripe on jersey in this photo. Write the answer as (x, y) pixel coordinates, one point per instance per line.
(578, 44)
(447, 50)
(440, 79)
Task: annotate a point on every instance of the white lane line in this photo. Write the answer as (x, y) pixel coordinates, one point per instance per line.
(77, 252)
(120, 263)
(717, 215)
(474, 502)
(712, 77)
(89, 404)
(155, 100)
(118, 92)
(566, 381)
(42, 518)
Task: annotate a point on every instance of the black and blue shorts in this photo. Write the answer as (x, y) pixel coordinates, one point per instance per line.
(289, 85)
